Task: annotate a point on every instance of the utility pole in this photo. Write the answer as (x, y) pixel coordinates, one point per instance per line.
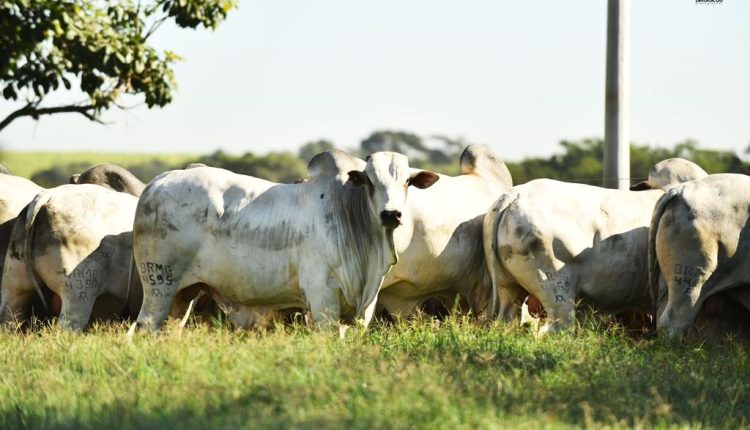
(616, 104)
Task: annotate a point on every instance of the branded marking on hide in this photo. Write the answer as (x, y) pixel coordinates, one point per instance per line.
(687, 276)
(156, 275)
(82, 279)
(557, 281)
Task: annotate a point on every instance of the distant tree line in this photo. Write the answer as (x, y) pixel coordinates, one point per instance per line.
(581, 161)
(578, 161)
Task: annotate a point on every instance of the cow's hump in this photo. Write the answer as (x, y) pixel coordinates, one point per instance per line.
(481, 160)
(333, 163)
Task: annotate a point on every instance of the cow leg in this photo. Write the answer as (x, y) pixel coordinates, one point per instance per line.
(682, 308)
(687, 259)
(154, 310)
(76, 309)
(17, 290)
(322, 293)
(686, 270)
(325, 309)
(507, 297)
(369, 312)
(321, 289)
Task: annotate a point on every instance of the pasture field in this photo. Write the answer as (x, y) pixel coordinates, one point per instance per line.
(419, 374)
(25, 164)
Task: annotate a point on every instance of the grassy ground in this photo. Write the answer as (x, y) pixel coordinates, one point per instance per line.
(421, 374)
(27, 163)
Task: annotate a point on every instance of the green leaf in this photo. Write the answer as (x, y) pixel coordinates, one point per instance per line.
(9, 93)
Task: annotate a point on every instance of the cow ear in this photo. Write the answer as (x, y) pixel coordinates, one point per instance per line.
(356, 178)
(640, 186)
(423, 179)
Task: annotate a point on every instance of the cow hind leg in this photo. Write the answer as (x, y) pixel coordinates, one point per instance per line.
(369, 312)
(159, 292)
(508, 296)
(76, 310)
(687, 274)
(154, 310)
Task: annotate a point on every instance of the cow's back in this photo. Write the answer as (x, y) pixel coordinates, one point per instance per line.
(233, 232)
(202, 198)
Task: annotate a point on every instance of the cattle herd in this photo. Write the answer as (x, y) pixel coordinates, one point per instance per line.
(360, 237)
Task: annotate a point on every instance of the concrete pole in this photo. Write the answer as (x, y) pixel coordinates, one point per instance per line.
(616, 104)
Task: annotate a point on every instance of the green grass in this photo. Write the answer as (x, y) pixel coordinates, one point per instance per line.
(26, 164)
(420, 374)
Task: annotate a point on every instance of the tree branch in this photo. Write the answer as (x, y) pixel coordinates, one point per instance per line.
(31, 110)
(155, 26)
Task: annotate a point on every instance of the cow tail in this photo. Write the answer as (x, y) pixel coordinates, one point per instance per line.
(653, 262)
(28, 242)
(131, 268)
(492, 251)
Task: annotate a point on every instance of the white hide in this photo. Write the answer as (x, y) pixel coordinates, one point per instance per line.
(670, 172)
(699, 247)
(15, 194)
(440, 240)
(258, 245)
(560, 241)
(75, 240)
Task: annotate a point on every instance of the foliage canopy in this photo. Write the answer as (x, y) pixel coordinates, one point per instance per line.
(99, 47)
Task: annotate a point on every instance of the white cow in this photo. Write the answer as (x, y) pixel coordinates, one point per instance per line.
(699, 248)
(17, 192)
(14, 266)
(75, 240)
(323, 245)
(561, 242)
(440, 239)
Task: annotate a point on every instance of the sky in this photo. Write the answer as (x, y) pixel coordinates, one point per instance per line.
(517, 76)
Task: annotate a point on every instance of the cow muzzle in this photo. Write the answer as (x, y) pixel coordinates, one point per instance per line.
(390, 219)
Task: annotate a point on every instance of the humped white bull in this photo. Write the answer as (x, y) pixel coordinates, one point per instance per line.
(256, 246)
